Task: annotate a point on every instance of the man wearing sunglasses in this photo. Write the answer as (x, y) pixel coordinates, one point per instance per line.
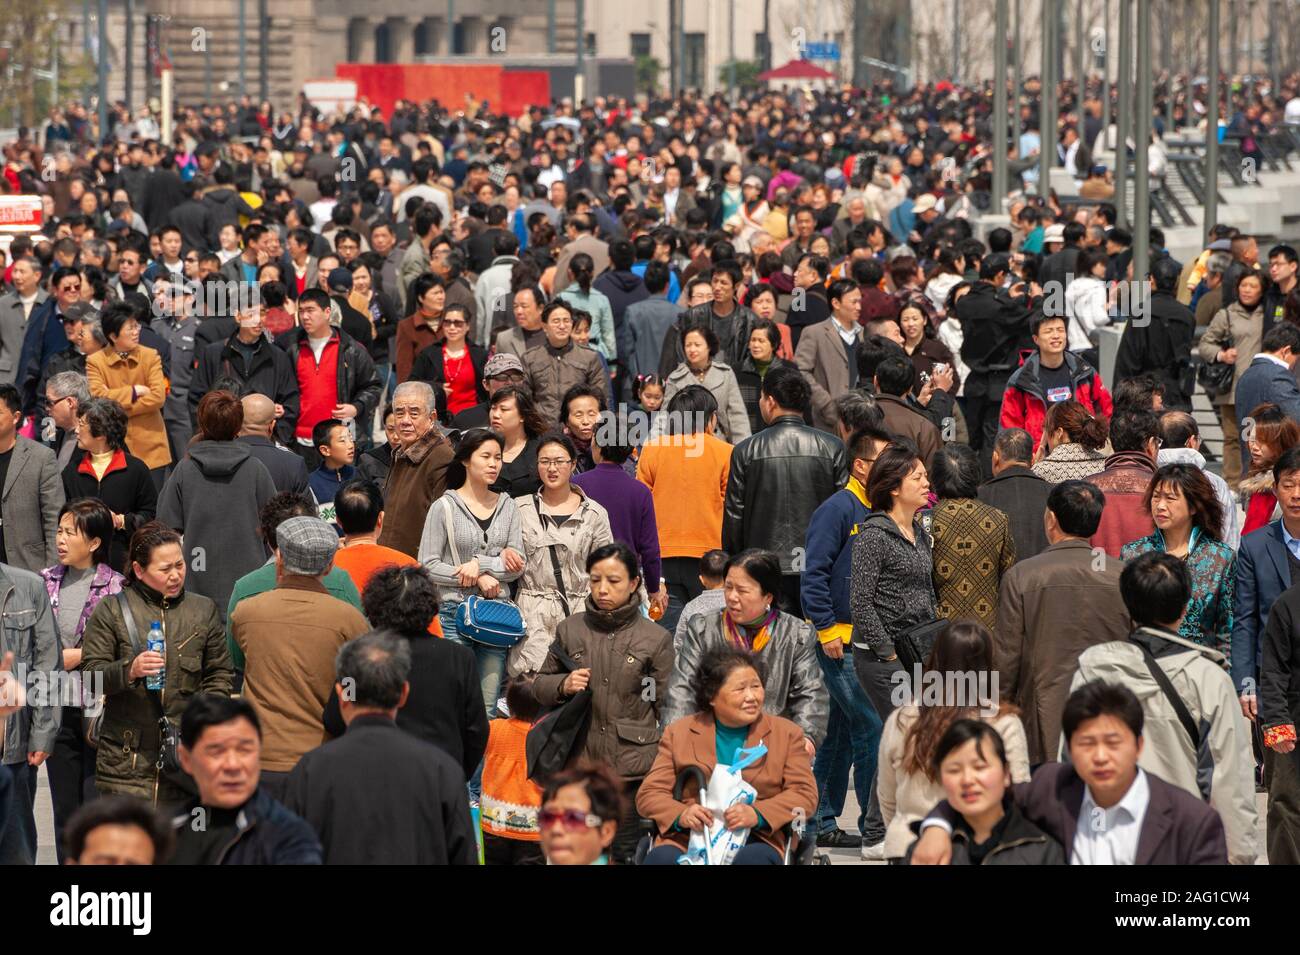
(45, 335)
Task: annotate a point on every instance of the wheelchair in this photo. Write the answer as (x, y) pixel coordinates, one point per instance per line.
(798, 851)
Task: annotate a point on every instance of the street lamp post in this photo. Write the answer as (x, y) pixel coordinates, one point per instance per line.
(1212, 124)
(1123, 78)
(103, 69)
(1142, 140)
(1047, 99)
(1000, 117)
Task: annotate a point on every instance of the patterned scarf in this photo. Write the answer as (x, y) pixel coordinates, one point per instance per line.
(736, 633)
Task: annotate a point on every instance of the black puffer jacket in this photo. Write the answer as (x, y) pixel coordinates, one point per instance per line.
(778, 478)
(265, 834)
(891, 587)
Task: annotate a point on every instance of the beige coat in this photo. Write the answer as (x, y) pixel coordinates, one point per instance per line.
(824, 363)
(539, 598)
(1246, 329)
(112, 376)
(733, 420)
(907, 797)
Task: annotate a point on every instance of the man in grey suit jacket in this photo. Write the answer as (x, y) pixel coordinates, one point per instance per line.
(16, 308)
(827, 353)
(31, 493)
(647, 322)
(1269, 379)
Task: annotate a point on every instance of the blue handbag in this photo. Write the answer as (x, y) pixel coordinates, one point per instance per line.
(493, 623)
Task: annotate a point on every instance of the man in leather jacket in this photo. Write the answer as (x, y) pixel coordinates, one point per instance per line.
(778, 478)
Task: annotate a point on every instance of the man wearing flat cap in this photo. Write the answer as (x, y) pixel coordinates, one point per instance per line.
(289, 637)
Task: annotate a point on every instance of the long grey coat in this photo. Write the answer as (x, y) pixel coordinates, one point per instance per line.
(794, 687)
(29, 507)
(29, 632)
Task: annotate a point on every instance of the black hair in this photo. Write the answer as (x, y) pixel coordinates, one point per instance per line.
(895, 375)
(872, 350)
(1014, 445)
(657, 275)
(1281, 336)
(955, 472)
(209, 709)
(520, 700)
(1132, 428)
(763, 565)
(581, 391)
(691, 408)
(560, 438)
(710, 337)
(93, 519)
(1077, 507)
(106, 419)
(611, 438)
(840, 288)
(401, 599)
(788, 388)
(618, 551)
(714, 668)
(469, 443)
(964, 731)
(604, 790)
(892, 466)
(1289, 461)
(357, 506)
(280, 508)
(1100, 698)
(1156, 587)
(713, 564)
(125, 811)
(320, 434)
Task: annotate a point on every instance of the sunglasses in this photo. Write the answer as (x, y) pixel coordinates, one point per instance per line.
(574, 820)
(454, 323)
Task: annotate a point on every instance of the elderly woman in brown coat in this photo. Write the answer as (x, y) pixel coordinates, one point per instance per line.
(623, 660)
(728, 688)
(133, 376)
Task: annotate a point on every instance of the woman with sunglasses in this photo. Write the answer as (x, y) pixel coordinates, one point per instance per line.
(579, 816)
(453, 367)
(561, 526)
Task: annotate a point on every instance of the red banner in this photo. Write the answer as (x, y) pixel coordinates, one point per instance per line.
(21, 214)
(510, 92)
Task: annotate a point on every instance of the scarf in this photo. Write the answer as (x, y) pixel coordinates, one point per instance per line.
(610, 621)
(739, 636)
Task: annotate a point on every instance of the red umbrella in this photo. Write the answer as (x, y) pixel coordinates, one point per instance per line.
(797, 70)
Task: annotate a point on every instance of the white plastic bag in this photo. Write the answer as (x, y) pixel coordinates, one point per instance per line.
(715, 844)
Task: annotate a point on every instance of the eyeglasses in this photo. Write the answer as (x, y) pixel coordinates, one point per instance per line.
(556, 463)
(70, 288)
(572, 819)
(454, 323)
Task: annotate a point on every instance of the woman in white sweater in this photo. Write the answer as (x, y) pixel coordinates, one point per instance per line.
(960, 682)
(1086, 306)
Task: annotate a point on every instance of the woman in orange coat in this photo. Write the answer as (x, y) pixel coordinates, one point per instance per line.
(132, 375)
(729, 694)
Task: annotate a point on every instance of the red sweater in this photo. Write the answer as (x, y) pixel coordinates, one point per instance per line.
(318, 385)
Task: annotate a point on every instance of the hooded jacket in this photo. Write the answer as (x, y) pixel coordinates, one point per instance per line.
(622, 289)
(214, 497)
(270, 372)
(1024, 403)
(1085, 310)
(1221, 769)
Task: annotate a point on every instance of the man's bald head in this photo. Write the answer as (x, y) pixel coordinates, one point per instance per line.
(259, 415)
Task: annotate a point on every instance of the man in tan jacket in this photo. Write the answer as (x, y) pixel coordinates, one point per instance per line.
(289, 637)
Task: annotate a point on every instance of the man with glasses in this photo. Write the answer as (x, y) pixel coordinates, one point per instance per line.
(16, 310)
(502, 370)
(65, 393)
(418, 476)
(130, 274)
(45, 335)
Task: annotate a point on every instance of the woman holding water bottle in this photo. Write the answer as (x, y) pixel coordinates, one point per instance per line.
(193, 659)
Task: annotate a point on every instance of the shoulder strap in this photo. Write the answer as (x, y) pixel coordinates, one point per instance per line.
(451, 530)
(555, 562)
(1176, 701)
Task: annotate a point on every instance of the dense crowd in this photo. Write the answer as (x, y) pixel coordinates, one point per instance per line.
(618, 484)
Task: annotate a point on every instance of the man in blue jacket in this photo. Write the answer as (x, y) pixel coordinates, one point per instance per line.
(853, 733)
(1270, 379)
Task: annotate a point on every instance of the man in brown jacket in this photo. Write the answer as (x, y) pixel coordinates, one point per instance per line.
(1053, 607)
(419, 472)
(289, 637)
(893, 382)
(557, 366)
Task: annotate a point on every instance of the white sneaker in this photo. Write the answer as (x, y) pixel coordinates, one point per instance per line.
(874, 853)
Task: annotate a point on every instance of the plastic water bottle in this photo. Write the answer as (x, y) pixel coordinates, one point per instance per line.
(157, 644)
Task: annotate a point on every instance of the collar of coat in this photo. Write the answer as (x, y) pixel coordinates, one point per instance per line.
(704, 737)
(1162, 642)
(115, 357)
(301, 582)
(420, 448)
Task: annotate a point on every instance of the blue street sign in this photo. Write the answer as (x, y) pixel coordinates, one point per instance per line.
(822, 51)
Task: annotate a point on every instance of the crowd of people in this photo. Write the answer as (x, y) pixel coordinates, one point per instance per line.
(436, 488)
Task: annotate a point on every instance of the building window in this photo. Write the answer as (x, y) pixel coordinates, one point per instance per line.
(591, 45)
(693, 74)
(760, 47)
(640, 43)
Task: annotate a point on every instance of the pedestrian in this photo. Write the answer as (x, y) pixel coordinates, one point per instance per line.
(1180, 443)
(511, 802)
(1270, 379)
(116, 830)
(582, 809)
(513, 415)
(288, 471)
(1135, 439)
(1271, 432)
(559, 365)
(763, 357)
(1017, 491)
(1234, 338)
(418, 476)
(1073, 439)
(453, 367)
(334, 446)
(827, 354)
(700, 347)
(31, 492)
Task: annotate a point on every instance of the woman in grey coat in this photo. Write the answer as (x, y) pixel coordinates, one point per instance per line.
(701, 345)
(787, 646)
(472, 544)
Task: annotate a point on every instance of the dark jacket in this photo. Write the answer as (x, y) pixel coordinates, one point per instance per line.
(197, 661)
(194, 219)
(993, 325)
(214, 497)
(373, 464)
(1178, 828)
(627, 654)
(622, 289)
(903, 420)
(778, 479)
(750, 383)
(892, 586)
(270, 373)
(417, 478)
(267, 834)
(828, 559)
(671, 354)
(126, 488)
(358, 382)
(1057, 266)
(1263, 575)
(429, 367)
(379, 795)
(288, 471)
(1022, 495)
(445, 706)
(225, 206)
(1162, 347)
(1266, 381)
(1016, 841)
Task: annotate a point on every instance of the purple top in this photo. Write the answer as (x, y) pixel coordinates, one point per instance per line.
(631, 510)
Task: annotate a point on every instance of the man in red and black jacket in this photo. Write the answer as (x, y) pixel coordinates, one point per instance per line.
(336, 376)
(1048, 376)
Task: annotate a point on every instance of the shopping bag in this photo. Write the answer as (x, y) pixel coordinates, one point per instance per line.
(715, 844)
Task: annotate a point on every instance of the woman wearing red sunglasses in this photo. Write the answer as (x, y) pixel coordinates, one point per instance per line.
(581, 809)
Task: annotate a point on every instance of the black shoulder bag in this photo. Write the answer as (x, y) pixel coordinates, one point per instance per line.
(560, 734)
(1216, 376)
(169, 764)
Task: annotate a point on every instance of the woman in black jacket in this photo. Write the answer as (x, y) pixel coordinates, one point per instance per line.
(101, 468)
(971, 764)
(445, 705)
(369, 298)
(453, 367)
(764, 343)
(513, 415)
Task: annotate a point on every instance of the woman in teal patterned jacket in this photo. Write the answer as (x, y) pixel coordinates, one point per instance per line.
(1189, 522)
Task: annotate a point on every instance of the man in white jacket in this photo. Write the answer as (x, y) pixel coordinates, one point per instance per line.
(1196, 736)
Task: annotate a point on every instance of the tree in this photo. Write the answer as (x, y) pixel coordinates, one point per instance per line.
(28, 37)
(648, 69)
(746, 73)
